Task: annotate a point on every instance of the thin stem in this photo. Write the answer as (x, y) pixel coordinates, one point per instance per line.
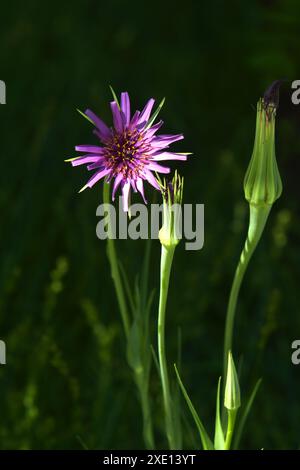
(257, 221)
(165, 269)
(230, 428)
(115, 272)
(147, 417)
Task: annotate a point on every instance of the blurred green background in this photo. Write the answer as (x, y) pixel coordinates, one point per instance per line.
(66, 381)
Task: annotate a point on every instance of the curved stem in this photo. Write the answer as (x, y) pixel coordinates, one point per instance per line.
(115, 272)
(257, 221)
(165, 269)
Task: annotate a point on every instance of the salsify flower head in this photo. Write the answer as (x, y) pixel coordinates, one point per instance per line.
(172, 192)
(130, 151)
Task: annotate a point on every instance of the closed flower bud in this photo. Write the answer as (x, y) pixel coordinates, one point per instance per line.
(262, 183)
(170, 232)
(232, 398)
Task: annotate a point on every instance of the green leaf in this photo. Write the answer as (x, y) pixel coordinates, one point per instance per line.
(155, 359)
(134, 357)
(155, 114)
(127, 287)
(219, 441)
(206, 442)
(114, 96)
(244, 415)
(145, 273)
(177, 415)
(148, 308)
(85, 116)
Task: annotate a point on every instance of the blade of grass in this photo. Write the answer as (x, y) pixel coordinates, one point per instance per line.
(206, 442)
(244, 415)
(219, 440)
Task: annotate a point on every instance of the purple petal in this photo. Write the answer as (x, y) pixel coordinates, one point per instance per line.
(98, 164)
(169, 156)
(117, 182)
(158, 168)
(96, 177)
(164, 140)
(134, 119)
(145, 114)
(140, 188)
(150, 178)
(132, 182)
(150, 132)
(117, 117)
(104, 131)
(100, 136)
(125, 192)
(85, 159)
(125, 107)
(89, 148)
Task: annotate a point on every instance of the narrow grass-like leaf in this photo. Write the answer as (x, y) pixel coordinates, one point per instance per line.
(219, 440)
(155, 114)
(155, 359)
(206, 442)
(148, 306)
(127, 287)
(145, 273)
(244, 415)
(81, 442)
(85, 116)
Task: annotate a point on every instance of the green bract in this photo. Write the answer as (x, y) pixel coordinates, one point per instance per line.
(262, 183)
(232, 398)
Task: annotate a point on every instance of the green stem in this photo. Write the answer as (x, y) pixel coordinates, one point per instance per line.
(142, 383)
(230, 428)
(257, 221)
(147, 417)
(165, 269)
(115, 272)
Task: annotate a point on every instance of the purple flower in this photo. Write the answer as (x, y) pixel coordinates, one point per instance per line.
(130, 151)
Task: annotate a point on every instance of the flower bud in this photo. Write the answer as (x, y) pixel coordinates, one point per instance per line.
(170, 232)
(232, 398)
(262, 183)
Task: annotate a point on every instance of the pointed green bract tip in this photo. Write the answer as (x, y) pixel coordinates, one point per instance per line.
(155, 114)
(262, 183)
(114, 96)
(232, 397)
(85, 116)
(83, 188)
